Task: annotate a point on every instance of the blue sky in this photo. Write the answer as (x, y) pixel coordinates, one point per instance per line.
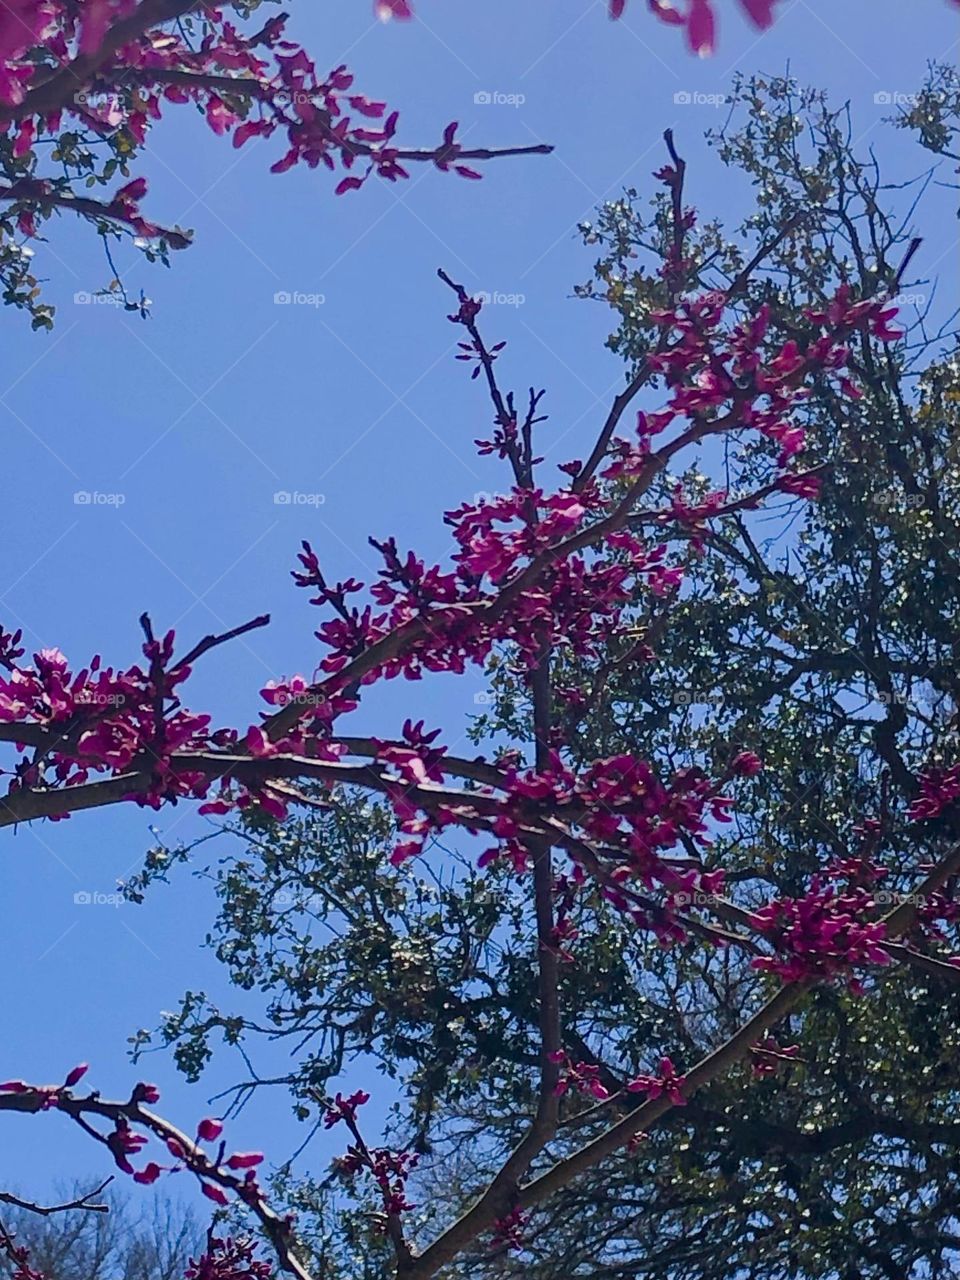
(198, 416)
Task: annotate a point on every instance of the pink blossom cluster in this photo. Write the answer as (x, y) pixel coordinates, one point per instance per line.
(47, 1095)
(63, 70)
(582, 1077)
(698, 20)
(389, 1169)
(667, 1082)
(130, 1131)
(939, 788)
(19, 1255)
(228, 1259)
(617, 808)
(508, 1231)
(100, 719)
(342, 1108)
(821, 935)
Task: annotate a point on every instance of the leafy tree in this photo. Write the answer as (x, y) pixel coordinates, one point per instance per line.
(661, 919)
(833, 645)
(82, 82)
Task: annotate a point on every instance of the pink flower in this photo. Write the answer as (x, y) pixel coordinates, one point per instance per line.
(209, 1130)
(747, 764)
(760, 12)
(25, 138)
(219, 116)
(802, 486)
(387, 9)
(667, 1082)
(701, 28)
(245, 1160)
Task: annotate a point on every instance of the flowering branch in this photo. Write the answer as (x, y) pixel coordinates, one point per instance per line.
(548, 576)
(130, 1124)
(91, 78)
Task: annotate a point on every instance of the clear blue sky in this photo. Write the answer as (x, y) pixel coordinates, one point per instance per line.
(200, 414)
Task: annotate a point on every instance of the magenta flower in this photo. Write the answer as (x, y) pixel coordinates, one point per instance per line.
(209, 1130)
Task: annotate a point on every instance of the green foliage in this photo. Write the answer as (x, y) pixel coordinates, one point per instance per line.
(829, 644)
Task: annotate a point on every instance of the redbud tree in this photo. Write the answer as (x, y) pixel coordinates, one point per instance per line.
(83, 83)
(568, 580)
(832, 643)
(559, 575)
(828, 639)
